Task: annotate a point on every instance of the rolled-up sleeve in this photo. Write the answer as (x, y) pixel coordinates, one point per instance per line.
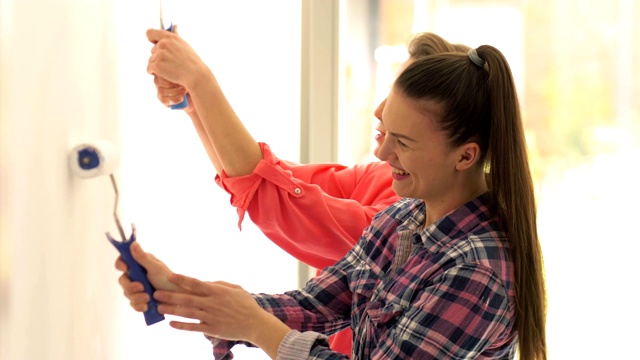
(314, 212)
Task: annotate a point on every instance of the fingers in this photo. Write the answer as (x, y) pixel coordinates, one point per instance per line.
(171, 57)
(226, 284)
(188, 306)
(134, 291)
(164, 84)
(168, 92)
(139, 302)
(195, 327)
(130, 287)
(192, 284)
(146, 260)
(171, 96)
(182, 311)
(121, 265)
(155, 35)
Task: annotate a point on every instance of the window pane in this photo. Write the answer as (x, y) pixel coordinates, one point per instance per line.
(577, 69)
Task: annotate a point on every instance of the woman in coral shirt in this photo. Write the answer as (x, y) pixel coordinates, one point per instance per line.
(315, 212)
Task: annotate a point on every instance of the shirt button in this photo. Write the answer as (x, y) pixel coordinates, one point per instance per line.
(297, 191)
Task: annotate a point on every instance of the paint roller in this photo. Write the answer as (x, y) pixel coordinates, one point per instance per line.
(171, 28)
(89, 160)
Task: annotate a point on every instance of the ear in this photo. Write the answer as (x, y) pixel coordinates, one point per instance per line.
(468, 156)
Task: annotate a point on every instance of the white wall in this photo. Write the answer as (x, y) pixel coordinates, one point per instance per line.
(68, 73)
(57, 88)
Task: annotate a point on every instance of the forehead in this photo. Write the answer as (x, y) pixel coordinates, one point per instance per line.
(405, 115)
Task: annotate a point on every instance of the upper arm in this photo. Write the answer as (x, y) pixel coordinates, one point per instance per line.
(318, 226)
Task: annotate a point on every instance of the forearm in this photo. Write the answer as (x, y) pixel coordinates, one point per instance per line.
(206, 142)
(235, 149)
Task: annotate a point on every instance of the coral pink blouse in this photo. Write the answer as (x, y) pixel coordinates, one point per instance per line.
(314, 212)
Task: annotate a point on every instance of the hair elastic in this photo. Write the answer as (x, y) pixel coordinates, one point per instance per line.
(473, 55)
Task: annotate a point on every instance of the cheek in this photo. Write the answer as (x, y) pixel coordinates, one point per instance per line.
(425, 168)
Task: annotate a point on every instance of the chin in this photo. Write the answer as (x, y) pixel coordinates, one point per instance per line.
(400, 191)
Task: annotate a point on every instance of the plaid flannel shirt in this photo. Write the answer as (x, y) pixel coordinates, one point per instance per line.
(408, 292)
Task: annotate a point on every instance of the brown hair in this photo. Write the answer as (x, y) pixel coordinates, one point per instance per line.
(426, 43)
(480, 105)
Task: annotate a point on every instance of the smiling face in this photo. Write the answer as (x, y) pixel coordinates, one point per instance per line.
(424, 165)
(378, 112)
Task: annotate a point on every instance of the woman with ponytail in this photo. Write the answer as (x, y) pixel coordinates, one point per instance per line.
(477, 107)
(452, 271)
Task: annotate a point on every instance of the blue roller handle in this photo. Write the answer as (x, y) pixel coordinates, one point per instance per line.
(185, 101)
(138, 273)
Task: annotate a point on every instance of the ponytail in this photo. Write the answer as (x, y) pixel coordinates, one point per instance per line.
(511, 187)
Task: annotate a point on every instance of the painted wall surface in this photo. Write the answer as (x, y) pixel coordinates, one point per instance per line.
(69, 74)
(57, 88)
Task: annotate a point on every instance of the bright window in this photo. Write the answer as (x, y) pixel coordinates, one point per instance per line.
(577, 69)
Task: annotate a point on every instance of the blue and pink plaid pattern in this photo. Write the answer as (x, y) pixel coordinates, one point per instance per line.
(451, 295)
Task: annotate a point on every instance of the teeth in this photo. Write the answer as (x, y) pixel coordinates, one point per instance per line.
(399, 172)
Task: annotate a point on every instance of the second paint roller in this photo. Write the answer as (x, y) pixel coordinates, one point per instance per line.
(99, 158)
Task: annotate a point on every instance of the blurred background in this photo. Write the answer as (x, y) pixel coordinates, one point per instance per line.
(305, 77)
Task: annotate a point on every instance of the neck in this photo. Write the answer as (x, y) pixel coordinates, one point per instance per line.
(462, 191)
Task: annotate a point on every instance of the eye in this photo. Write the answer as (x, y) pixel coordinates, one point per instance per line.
(401, 144)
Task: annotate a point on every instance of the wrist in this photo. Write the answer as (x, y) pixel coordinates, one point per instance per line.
(268, 332)
(200, 80)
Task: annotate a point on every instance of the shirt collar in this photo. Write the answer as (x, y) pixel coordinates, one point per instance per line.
(455, 224)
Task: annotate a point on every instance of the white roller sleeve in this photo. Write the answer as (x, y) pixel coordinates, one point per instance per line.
(93, 159)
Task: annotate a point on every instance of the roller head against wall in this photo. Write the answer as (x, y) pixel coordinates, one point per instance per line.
(93, 159)
(99, 158)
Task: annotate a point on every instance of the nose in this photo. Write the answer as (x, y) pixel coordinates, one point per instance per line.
(380, 128)
(378, 112)
(384, 150)
(379, 138)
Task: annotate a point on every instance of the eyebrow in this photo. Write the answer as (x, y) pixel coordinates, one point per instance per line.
(400, 136)
(396, 135)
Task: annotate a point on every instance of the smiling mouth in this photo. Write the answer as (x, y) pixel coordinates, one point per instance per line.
(399, 172)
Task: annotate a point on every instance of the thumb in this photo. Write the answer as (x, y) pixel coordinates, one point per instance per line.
(143, 258)
(157, 272)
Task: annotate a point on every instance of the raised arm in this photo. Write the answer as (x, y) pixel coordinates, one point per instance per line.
(175, 61)
(315, 212)
(169, 94)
